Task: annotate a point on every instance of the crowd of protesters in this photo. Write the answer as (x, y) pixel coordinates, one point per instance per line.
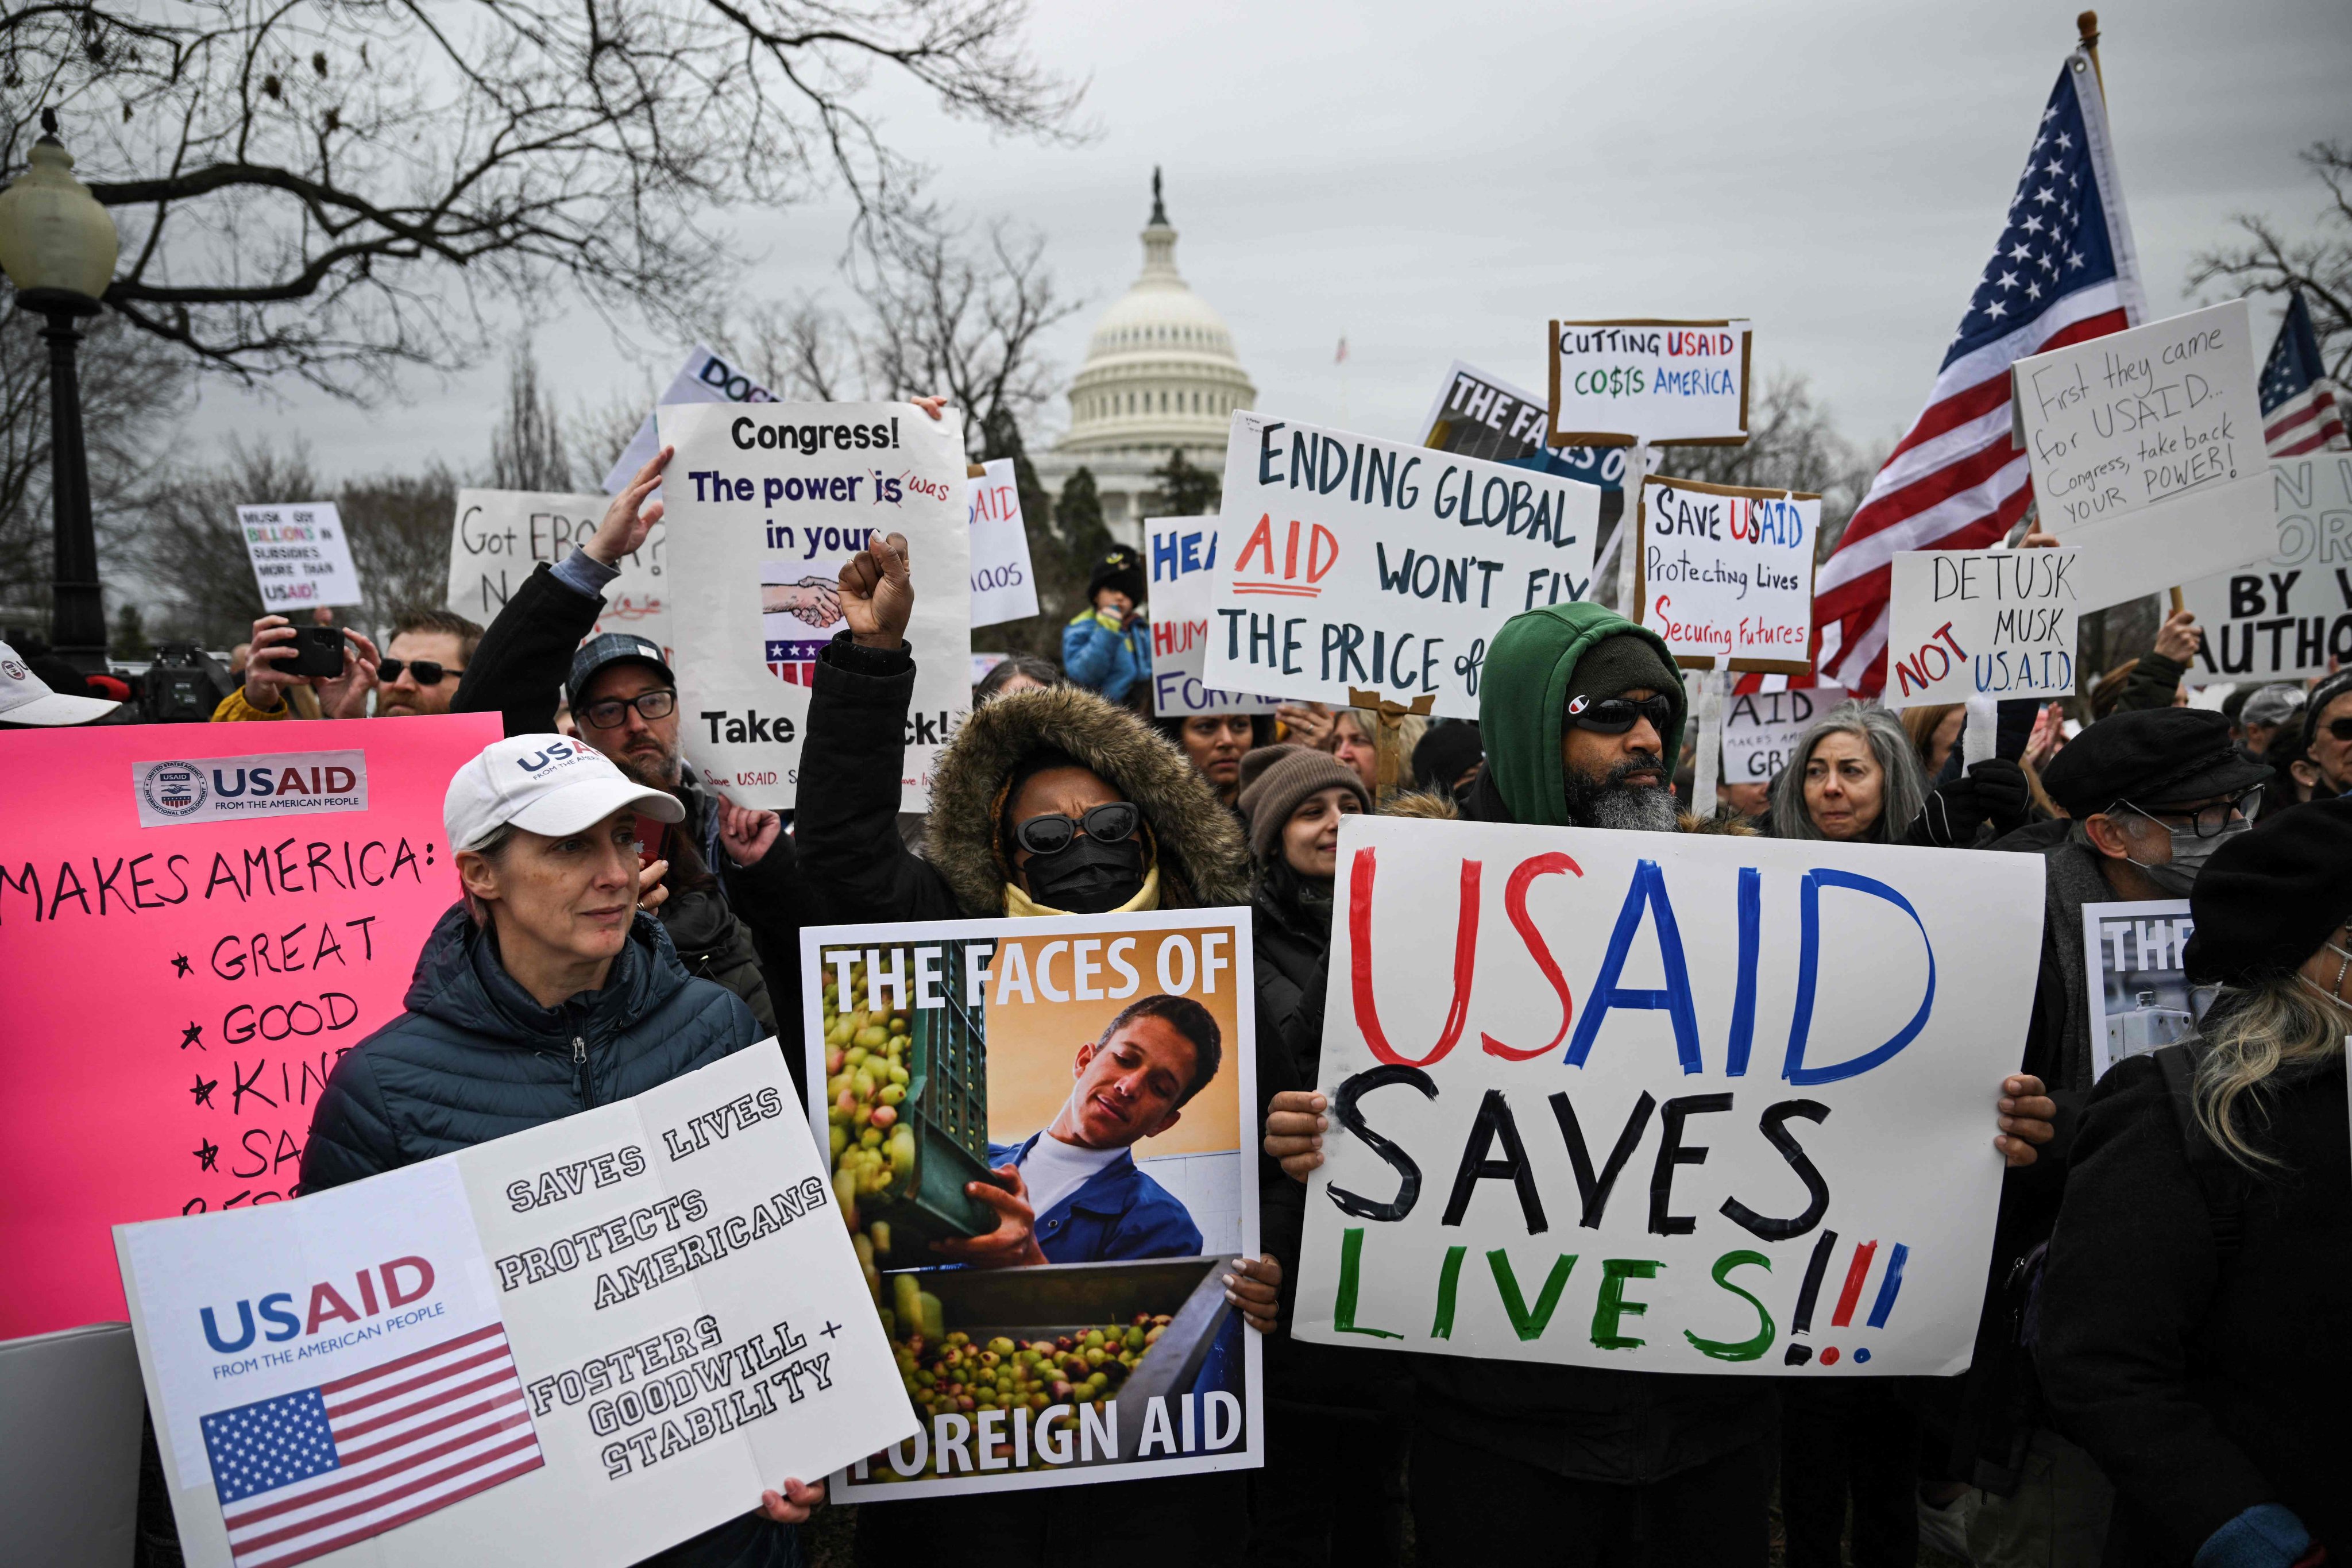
(2160, 1356)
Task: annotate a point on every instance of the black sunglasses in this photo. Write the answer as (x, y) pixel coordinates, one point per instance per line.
(2339, 728)
(428, 672)
(1053, 833)
(613, 711)
(1615, 715)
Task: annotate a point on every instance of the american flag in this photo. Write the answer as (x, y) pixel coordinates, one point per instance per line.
(2299, 408)
(2065, 270)
(311, 1472)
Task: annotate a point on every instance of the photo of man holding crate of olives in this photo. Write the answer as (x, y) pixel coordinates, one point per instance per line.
(1039, 1144)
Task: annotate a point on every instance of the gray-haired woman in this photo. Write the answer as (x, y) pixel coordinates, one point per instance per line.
(2196, 1314)
(1854, 778)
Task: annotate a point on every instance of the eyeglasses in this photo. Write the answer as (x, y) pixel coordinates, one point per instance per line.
(1104, 823)
(2339, 728)
(1615, 715)
(611, 712)
(428, 672)
(2209, 821)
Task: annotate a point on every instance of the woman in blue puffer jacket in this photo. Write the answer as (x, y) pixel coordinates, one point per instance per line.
(549, 990)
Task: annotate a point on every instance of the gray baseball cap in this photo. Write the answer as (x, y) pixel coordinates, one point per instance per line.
(612, 648)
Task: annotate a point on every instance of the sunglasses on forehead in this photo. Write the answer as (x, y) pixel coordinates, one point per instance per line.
(1615, 715)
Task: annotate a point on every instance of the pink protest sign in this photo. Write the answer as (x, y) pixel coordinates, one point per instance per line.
(195, 921)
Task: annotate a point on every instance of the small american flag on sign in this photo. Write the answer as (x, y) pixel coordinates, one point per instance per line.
(313, 1471)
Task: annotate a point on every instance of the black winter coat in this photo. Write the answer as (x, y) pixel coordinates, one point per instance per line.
(741, 929)
(475, 1058)
(2202, 1382)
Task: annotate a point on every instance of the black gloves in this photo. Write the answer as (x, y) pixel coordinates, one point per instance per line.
(1994, 791)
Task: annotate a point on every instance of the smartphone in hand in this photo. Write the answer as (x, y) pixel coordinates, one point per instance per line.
(317, 651)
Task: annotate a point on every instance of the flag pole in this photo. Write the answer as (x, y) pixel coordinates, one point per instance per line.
(2086, 25)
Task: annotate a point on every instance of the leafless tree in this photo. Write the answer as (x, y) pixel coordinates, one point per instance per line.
(1792, 441)
(526, 450)
(193, 552)
(338, 188)
(133, 394)
(398, 526)
(2265, 260)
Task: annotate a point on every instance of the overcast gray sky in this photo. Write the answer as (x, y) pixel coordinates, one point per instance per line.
(1437, 181)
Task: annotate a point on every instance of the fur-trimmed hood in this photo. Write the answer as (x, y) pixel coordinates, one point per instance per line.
(1202, 861)
(1436, 806)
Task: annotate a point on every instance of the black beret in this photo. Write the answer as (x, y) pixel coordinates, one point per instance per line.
(2149, 756)
(2270, 896)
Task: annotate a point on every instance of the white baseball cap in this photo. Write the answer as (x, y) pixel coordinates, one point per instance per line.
(543, 783)
(26, 698)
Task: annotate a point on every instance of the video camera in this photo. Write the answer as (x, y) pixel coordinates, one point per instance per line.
(184, 685)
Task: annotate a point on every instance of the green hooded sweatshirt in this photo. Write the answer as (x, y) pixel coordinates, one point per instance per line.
(1529, 675)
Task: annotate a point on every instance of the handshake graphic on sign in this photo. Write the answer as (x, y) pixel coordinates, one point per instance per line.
(814, 600)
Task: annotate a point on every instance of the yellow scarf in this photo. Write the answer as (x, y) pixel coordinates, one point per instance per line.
(1021, 906)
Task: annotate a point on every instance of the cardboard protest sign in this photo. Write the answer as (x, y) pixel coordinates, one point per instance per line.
(1693, 1104)
(1760, 729)
(1183, 554)
(1982, 623)
(2137, 979)
(764, 509)
(703, 378)
(2146, 449)
(195, 921)
(1003, 584)
(2285, 618)
(1726, 574)
(1480, 415)
(300, 558)
(1614, 383)
(1073, 1327)
(580, 1342)
(1401, 563)
(501, 536)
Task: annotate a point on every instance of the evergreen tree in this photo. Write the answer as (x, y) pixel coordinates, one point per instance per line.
(130, 640)
(1185, 490)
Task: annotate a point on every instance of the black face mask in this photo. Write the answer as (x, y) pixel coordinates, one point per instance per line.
(1089, 877)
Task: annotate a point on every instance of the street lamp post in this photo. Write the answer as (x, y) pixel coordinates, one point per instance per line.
(59, 247)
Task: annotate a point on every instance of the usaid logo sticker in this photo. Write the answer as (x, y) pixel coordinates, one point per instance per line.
(222, 789)
(173, 791)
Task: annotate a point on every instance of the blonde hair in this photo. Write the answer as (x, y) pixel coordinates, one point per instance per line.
(2266, 1026)
(1921, 724)
(1410, 730)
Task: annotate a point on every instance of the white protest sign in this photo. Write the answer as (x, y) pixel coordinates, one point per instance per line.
(2285, 618)
(1666, 1102)
(1982, 623)
(1003, 585)
(703, 378)
(1400, 563)
(1760, 729)
(1614, 383)
(1727, 574)
(584, 1341)
(2136, 979)
(1183, 554)
(300, 558)
(2146, 449)
(501, 535)
(763, 507)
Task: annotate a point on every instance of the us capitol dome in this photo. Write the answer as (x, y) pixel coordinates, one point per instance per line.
(1160, 376)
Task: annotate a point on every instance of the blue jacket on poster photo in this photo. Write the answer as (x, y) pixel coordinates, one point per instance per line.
(1118, 1214)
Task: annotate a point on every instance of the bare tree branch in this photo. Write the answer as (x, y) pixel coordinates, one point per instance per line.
(2319, 268)
(338, 188)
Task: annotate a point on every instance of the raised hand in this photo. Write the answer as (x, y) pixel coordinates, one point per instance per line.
(747, 835)
(345, 696)
(628, 520)
(1295, 1124)
(878, 593)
